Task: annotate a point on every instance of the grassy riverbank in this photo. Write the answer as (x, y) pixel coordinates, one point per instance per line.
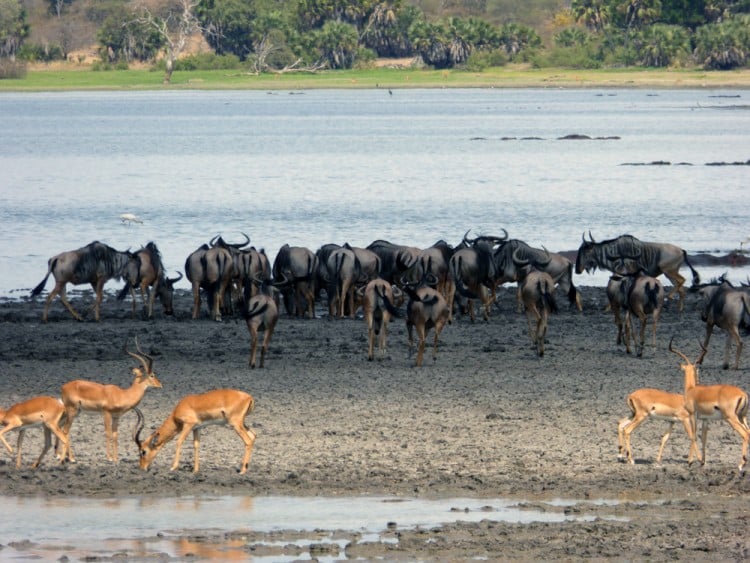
(75, 77)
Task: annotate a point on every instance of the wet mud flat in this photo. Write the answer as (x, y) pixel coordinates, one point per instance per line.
(488, 419)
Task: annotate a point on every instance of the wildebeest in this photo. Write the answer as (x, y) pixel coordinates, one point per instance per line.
(555, 264)
(343, 272)
(638, 295)
(261, 313)
(378, 305)
(95, 264)
(146, 273)
(728, 308)
(426, 309)
(395, 259)
(433, 260)
(653, 258)
(538, 297)
(297, 264)
(472, 272)
(209, 268)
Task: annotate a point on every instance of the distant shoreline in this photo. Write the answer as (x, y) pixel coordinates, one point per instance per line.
(74, 77)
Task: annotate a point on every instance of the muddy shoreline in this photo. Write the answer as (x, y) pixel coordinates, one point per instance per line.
(489, 419)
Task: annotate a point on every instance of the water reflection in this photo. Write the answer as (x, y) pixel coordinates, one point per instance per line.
(238, 528)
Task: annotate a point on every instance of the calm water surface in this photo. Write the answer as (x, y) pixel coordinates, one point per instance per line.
(314, 167)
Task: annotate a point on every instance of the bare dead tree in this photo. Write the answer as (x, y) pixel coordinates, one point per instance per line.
(175, 29)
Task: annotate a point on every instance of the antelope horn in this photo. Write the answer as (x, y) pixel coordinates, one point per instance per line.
(138, 428)
(175, 280)
(149, 359)
(591, 237)
(680, 354)
(519, 261)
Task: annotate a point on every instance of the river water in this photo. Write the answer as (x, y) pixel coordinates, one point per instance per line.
(414, 166)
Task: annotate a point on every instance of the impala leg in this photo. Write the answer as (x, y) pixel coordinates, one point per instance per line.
(47, 446)
(625, 428)
(741, 429)
(248, 437)
(382, 342)
(421, 335)
(180, 439)
(108, 435)
(253, 346)
(704, 438)
(664, 440)
(7, 428)
(370, 343)
(196, 450)
(115, 424)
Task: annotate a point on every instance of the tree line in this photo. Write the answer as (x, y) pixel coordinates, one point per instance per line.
(278, 36)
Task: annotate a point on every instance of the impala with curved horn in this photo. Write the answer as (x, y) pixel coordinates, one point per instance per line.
(112, 401)
(713, 402)
(193, 412)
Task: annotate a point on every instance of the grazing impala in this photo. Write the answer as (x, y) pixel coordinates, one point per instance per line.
(39, 411)
(713, 402)
(221, 406)
(112, 401)
(653, 403)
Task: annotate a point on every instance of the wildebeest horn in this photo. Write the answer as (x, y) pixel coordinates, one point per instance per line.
(466, 240)
(175, 280)
(212, 242)
(282, 282)
(591, 237)
(519, 261)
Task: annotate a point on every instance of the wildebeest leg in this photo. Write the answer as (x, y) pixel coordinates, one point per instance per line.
(370, 341)
(677, 287)
(421, 335)
(99, 288)
(628, 331)
(381, 342)
(438, 329)
(196, 300)
(266, 344)
(64, 298)
(541, 333)
(253, 346)
(732, 334)
(642, 335)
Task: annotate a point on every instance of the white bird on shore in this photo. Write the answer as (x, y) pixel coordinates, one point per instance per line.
(130, 218)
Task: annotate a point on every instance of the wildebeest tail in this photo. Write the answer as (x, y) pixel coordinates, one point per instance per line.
(652, 295)
(696, 276)
(387, 305)
(461, 287)
(258, 308)
(745, 320)
(124, 291)
(50, 266)
(546, 297)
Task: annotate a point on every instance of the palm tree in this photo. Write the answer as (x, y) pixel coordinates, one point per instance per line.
(594, 14)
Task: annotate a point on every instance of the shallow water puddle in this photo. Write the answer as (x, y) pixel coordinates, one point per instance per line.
(231, 527)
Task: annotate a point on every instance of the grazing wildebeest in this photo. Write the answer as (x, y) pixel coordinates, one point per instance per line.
(728, 308)
(653, 258)
(95, 264)
(378, 304)
(261, 313)
(298, 265)
(426, 309)
(146, 273)
(537, 295)
(472, 272)
(209, 268)
(555, 264)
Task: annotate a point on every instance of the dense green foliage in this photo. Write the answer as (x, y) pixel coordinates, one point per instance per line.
(275, 35)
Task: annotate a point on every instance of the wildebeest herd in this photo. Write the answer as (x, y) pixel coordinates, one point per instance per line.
(436, 283)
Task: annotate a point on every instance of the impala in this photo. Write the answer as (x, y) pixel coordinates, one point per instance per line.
(39, 411)
(193, 412)
(112, 401)
(713, 402)
(653, 403)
